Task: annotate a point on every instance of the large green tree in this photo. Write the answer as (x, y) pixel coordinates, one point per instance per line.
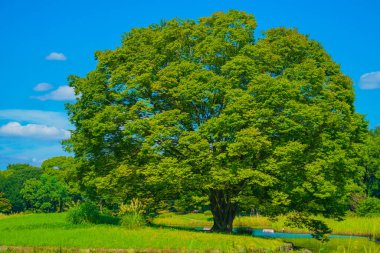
(203, 107)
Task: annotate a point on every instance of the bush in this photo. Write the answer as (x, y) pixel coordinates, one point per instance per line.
(87, 212)
(207, 212)
(133, 220)
(369, 207)
(109, 219)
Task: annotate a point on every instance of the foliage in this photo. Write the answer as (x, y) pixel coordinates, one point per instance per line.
(371, 162)
(201, 107)
(133, 220)
(136, 206)
(86, 212)
(46, 194)
(132, 215)
(189, 201)
(319, 229)
(5, 204)
(52, 188)
(64, 168)
(14, 178)
(369, 207)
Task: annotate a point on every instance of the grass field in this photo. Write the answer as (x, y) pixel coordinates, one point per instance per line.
(353, 245)
(350, 226)
(53, 230)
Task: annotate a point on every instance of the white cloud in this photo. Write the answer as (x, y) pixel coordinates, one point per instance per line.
(60, 94)
(33, 131)
(54, 56)
(48, 118)
(370, 81)
(43, 87)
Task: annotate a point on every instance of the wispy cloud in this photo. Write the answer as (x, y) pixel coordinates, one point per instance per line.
(54, 56)
(370, 81)
(43, 87)
(48, 118)
(60, 94)
(15, 129)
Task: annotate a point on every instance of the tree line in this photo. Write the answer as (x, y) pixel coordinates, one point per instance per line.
(53, 187)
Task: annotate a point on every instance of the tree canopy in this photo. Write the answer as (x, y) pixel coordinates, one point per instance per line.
(14, 178)
(205, 108)
(371, 164)
(5, 204)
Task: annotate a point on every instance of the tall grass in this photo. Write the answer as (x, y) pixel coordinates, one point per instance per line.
(353, 245)
(54, 230)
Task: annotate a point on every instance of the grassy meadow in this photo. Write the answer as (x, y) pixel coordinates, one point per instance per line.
(52, 230)
(363, 226)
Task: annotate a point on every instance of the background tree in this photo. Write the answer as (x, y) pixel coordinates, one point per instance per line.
(202, 107)
(5, 204)
(372, 164)
(14, 177)
(64, 168)
(46, 194)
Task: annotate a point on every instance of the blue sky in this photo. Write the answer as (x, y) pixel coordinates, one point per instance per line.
(44, 41)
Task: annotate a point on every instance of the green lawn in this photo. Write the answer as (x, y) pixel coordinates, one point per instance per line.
(53, 230)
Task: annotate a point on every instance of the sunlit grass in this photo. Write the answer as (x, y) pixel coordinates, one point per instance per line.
(184, 220)
(366, 226)
(53, 230)
(353, 245)
(350, 226)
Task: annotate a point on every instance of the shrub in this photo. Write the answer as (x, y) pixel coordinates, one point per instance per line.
(136, 206)
(369, 207)
(132, 215)
(87, 212)
(108, 219)
(133, 220)
(207, 212)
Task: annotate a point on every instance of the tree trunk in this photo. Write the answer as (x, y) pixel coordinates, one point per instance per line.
(223, 211)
